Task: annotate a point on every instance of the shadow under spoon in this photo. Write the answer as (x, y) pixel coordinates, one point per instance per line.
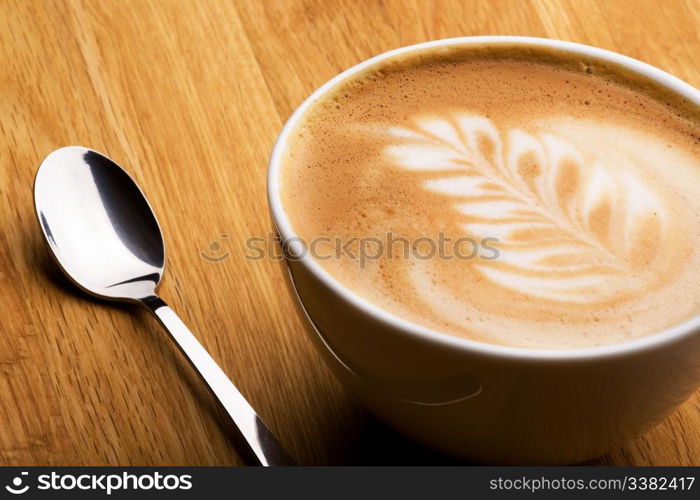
(105, 237)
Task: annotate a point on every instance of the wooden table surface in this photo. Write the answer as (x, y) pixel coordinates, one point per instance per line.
(189, 97)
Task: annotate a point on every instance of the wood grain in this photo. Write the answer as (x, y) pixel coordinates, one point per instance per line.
(189, 96)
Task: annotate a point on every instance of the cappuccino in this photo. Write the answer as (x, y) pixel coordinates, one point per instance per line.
(575, 182)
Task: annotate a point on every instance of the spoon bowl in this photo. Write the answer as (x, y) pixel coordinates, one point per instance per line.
(107, 239)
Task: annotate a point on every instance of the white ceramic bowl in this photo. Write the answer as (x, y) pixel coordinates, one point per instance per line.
(481, 401)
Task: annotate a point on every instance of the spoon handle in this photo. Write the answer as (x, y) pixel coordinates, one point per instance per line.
(261, 443)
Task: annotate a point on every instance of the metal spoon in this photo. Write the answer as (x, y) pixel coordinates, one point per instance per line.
(106, 239)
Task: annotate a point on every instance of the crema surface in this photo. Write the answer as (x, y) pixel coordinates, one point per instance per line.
(518, 198)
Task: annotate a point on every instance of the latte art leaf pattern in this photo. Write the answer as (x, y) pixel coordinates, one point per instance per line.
(570, 228)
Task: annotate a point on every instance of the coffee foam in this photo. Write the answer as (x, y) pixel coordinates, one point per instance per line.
(587, 180)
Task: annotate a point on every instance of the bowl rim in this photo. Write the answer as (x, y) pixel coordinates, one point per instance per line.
(282, 223)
